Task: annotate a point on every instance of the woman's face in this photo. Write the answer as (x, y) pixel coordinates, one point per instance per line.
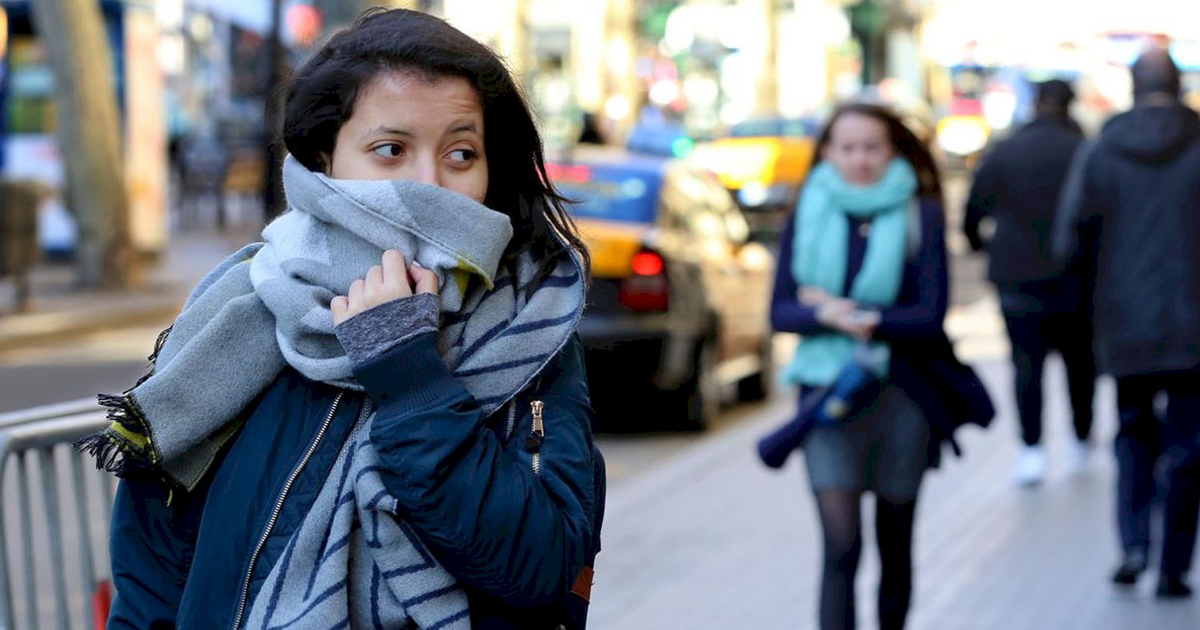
(406, 127)
(859, 148)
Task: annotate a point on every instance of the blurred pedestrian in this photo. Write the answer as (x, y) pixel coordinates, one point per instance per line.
(863, 261)
(590, 132)
(379, 416)
(1018, 185)
(1130, 223)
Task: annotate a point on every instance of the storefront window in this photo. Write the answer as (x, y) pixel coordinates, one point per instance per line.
(30, 88)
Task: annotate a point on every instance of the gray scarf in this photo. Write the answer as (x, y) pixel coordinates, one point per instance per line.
(267, 306)
(353, 563)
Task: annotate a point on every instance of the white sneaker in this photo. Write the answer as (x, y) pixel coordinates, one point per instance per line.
(1080, 458)
(1030, 468)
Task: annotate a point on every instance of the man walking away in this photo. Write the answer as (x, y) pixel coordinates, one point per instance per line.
(1018, 185)
(1131, 221)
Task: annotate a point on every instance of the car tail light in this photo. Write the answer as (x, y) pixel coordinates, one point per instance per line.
(647, 263)
(570, 173)
(647, 290)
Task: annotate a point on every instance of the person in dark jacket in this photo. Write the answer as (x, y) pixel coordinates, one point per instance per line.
(378, 416)
(1018, 186)
(863, 261)
(1130, 224)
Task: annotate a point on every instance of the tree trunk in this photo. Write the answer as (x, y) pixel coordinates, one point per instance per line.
(274, 199)
(89, 130)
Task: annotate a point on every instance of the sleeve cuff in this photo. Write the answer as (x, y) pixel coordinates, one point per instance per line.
(412, 375)
(372, 333)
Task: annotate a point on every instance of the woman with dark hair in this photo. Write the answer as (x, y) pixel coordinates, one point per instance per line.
(863, 263)
(378, 416)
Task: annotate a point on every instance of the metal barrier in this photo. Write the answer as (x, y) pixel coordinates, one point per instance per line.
(49, 412)
(61, 486)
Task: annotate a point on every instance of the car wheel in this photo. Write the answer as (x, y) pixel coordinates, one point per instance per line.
(699, 399)
(758, 386)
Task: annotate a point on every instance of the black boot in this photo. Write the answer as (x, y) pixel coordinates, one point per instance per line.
(1132, 565)
(1173, 587)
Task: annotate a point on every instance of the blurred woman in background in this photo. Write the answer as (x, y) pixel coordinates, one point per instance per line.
(863, 261)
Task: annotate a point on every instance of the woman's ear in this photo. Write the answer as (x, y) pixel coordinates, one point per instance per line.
(326, 163)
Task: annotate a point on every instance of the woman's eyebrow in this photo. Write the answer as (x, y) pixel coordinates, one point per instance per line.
(467, 125)
(385, 130)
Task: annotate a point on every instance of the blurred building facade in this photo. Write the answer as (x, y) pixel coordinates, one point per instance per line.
(1091, 43)
(700, 65)
(30, 148)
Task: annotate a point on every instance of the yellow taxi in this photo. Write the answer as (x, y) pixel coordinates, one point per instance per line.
(764, 164)
(679, 294)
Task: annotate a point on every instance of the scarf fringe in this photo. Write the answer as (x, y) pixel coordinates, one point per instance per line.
(114, 452)
(153, 358)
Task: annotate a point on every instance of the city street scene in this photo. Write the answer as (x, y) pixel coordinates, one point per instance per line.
(617, 314)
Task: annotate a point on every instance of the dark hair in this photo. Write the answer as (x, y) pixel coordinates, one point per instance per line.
(320, 97)
(906, 144)
(1055, 93)
(1155, 72)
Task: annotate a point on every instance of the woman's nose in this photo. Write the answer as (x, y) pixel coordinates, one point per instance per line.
(426, 172)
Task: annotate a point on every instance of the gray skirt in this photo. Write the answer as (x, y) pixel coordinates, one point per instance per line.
(885, 449)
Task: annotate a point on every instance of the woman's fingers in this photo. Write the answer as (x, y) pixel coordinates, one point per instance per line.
(813, 296)
(390, 280)
(394, 272)
(340, 307)
(356, 297)
(846, 304)
(373, 290)
(425, 280)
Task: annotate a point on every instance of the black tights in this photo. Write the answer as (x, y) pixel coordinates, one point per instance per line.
(841, 522)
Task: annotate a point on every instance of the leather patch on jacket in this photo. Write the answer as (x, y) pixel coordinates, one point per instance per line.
(583, 584)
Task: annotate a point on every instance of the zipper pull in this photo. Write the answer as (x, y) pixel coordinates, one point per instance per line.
(533, 443)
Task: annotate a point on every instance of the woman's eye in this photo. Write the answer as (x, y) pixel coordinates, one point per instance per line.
(388, 150)
(462, 155)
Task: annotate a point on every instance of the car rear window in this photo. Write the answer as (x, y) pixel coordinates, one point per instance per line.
(608, 192)
(774, 128)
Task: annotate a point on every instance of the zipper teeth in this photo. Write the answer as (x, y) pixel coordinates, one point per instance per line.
(512, 420)
(537, 427)
(287, 487)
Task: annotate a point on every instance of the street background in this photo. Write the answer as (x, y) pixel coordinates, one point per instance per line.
(698, 534)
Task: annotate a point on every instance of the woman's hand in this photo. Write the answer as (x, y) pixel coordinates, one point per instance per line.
(838, 313)
(383, 283)
(856, 323)
(813, 296)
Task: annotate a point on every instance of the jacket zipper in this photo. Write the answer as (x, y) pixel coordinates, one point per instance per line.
(512, 421)
(287, 487)
(537, 435)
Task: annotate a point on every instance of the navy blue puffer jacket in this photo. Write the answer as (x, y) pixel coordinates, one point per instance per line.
(515, 528)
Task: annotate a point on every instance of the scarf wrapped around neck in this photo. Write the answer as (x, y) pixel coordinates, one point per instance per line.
(821, 255)
(267, 307)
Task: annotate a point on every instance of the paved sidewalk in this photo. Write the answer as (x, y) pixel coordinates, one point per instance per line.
(712, 539)
(59, 309)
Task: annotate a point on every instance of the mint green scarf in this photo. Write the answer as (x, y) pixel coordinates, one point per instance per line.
(821, 253)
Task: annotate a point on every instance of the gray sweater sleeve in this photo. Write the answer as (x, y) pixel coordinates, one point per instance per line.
(373, 332)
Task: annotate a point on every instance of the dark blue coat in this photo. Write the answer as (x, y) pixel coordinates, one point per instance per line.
(923, 362)
(1129, 226)
(1018, 185)
(516, 540)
